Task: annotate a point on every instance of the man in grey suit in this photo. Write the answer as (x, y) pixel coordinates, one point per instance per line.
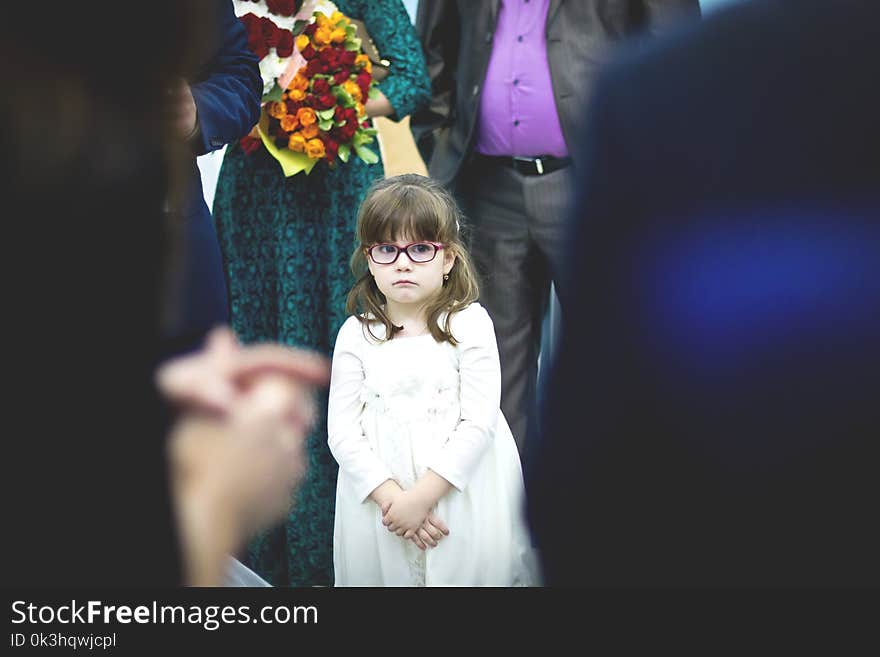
(510, 80)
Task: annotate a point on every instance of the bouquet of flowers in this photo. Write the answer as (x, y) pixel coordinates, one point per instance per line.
(316, 81)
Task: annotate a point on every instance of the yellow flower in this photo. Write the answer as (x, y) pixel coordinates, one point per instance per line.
(322, 20)
(276, 110)
(310, 131)
(353, 89)
(337, 35)
(289, 123)
(297, 143)
(337, 16)
(306, 116)
(364, 62)
(296, 94)
(322, 36)
(361, 110)
(315, 149)
(300, 81)
(302, 41)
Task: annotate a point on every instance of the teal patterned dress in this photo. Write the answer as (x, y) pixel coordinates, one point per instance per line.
(286, 243)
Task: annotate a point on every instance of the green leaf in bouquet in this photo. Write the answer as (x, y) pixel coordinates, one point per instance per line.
(362, 137)
(274, 94)
(370, 131)
(299, 26)
(373, 92)
(344, 97)
(343, 152)
(325, 125)
(352, 44)
(326, 114)
(350, 31)
(366, 154)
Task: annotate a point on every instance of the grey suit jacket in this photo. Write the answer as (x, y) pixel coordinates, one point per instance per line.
(457, 37)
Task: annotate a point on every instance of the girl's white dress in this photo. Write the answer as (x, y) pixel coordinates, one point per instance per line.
(400, 407)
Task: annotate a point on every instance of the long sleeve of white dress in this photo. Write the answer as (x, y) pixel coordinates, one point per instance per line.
(346, 438)
(479, 396)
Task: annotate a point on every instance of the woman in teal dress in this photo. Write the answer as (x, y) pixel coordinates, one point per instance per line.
(286, 243)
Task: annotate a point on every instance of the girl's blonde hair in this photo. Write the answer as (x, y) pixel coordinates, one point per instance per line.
(414, 207)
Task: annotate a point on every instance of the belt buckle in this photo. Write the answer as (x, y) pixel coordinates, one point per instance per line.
(535, 161)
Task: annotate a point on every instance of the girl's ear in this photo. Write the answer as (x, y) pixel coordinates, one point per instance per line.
(448, 260)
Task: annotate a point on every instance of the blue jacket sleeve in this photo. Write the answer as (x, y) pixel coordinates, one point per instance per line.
(228, 88)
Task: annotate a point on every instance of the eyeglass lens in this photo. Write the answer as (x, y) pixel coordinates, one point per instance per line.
(388, 253)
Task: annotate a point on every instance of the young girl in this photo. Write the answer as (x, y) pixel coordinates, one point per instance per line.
(430, 488)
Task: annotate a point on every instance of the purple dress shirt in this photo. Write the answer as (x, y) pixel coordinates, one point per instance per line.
(517, 112)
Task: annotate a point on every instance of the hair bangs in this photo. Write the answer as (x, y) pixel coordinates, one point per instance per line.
(409, 214)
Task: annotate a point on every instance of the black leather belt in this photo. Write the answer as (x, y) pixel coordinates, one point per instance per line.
(528, 166)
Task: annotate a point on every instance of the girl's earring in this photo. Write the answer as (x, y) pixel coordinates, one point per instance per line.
(445, 277)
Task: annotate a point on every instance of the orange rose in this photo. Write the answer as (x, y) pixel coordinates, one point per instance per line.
(322, 36)
(364, 62)
(276, 110)
(297, 94)
(297, 143)
(289, 123)
(310, 131)
(315, 149)
(302, 41)
(337, 35)
(353, 89)
(306, 116)
(322, 20)
(337, 16)
(300, 81)
(361, 110)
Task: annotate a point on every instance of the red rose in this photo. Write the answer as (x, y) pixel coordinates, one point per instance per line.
(347, 58)
(321, 86)
(292, 106)
(281, 7)
(341, 76)
(308, 52)
(330, 144)
(346, 132)
(313, 67)
(248, 20)
(339, 114)
(285, 43)
(310, 29)
(330, 56)
(261, 50)
(270, 32)
(325, 101)
(250, 144)
(363, 81)
(351, 115)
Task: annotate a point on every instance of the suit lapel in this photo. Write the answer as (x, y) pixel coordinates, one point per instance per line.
(551, 11)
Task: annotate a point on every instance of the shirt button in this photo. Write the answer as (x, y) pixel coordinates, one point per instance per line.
(488, 37)
(515, 83)
(519, 38)
(516, 122)
(475, 90)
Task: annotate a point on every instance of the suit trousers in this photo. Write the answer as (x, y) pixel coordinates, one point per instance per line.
(515, 237)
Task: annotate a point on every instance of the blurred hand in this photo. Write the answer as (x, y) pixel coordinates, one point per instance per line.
(237, 448)
(212, 379)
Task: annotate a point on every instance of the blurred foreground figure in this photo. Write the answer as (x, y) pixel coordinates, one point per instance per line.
(89, 497)
(712, 418)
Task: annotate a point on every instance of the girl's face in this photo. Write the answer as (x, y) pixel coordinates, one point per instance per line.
(406, 281)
